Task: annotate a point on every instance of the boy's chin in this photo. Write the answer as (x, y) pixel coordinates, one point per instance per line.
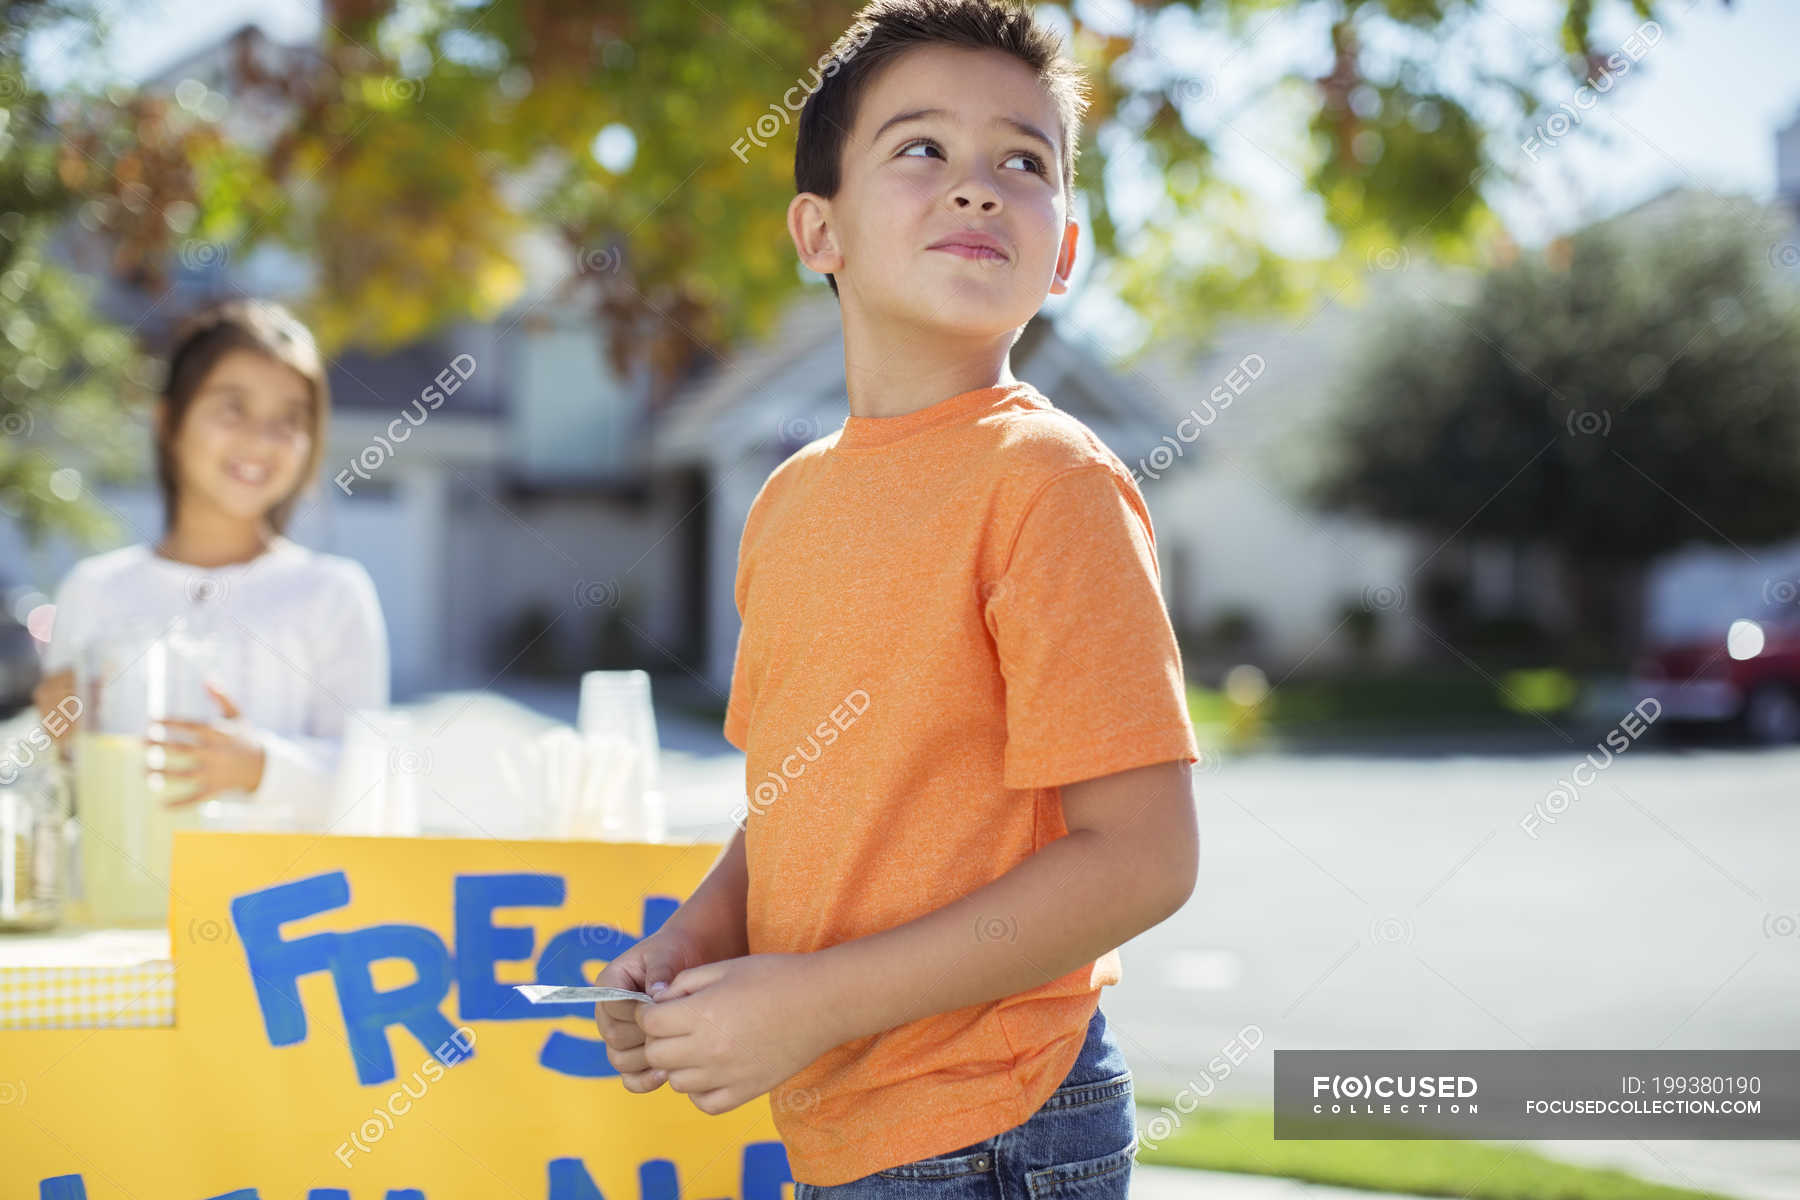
(972, 316)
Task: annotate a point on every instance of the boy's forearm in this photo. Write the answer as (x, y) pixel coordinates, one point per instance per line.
(715, 913)
(1059, 909)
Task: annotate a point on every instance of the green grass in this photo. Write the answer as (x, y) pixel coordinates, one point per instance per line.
(1243, 1141)
(1422, 701)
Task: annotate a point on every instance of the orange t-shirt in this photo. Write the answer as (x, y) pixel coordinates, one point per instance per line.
(947, 614)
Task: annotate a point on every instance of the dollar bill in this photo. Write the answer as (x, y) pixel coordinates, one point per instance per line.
(542, 993)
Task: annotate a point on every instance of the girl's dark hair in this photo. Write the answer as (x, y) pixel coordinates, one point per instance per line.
(208, 335)
(884, 29)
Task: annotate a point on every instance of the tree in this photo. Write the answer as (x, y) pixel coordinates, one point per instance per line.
(63, 372)
(1634, 388)
(686, 249)
(417, 141)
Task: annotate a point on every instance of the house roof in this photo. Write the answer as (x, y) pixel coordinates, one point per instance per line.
(769, 385)
(391, 380)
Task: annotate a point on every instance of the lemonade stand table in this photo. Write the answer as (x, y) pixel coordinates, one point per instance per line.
(86, 979)
(345, 1027)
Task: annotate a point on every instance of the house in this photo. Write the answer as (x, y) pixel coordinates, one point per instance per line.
(1256, 575)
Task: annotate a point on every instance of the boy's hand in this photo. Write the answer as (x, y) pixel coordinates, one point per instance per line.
(730, 1031)
(646, 967)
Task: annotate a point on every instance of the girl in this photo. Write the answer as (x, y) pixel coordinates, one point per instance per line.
(239, 430)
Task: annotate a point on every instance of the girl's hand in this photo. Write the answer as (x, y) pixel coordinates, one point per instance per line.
(51, 691)
(646, 967)
(218, 758)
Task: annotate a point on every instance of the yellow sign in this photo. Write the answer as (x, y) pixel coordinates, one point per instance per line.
(346, 1029)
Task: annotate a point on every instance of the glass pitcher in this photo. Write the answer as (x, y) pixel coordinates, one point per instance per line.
(128, 680)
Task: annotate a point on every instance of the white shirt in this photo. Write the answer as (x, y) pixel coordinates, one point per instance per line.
(296, 636)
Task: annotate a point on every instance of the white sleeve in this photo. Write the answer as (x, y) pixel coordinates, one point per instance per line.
(300, 771)
(72, 621)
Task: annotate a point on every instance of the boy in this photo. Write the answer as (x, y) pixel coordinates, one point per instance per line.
(956, 686)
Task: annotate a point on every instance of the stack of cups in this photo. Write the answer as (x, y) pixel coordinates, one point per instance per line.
(621, 800)
(379, 785)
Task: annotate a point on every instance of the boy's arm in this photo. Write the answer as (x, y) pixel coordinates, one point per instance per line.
(715, 915)
(1128, 863)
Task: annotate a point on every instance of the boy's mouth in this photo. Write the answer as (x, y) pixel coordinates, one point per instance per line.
(972, 244)
(975, 252)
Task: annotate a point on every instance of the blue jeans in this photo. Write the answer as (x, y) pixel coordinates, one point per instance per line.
(1078, 1146)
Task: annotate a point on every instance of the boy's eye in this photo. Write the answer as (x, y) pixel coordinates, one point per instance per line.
(1036, 164)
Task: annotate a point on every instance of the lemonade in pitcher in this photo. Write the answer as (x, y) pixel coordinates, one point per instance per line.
(130, 680)
(127, 832)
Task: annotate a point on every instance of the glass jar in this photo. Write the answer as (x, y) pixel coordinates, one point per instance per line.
(33, 828)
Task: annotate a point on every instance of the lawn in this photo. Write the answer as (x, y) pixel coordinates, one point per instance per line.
(1430, 701)
(1243, 1141)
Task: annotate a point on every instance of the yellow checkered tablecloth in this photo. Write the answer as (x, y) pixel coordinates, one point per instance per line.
(87, 979)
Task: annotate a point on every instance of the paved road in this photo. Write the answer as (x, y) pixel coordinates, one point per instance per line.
(1370, 902)
(1377, 903)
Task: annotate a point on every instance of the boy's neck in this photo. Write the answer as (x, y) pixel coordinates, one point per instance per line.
(891, 370)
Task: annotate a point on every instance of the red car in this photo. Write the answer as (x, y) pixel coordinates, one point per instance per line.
(1749, 674)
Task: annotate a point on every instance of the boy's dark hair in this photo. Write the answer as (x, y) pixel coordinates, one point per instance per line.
(263, 327)
(882, 30)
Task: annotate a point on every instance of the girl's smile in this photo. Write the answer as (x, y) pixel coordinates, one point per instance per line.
(244, 442)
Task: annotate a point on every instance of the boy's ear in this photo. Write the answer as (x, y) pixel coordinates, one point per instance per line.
(809, 224)
(1065, 259)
